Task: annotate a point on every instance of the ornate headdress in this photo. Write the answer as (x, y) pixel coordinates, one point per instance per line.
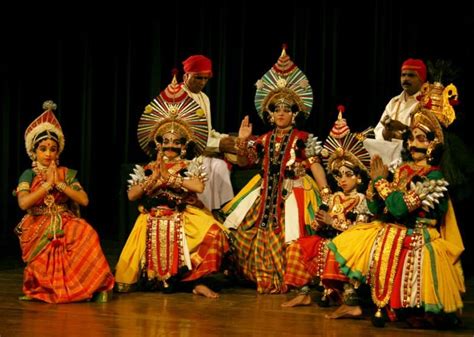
(45, 126)
(343, 148)
(284, 83)
(435, 108)
(173, 111)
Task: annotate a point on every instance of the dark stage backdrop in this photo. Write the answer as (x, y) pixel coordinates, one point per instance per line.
(102, 70)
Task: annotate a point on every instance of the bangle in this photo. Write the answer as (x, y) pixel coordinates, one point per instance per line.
(314, 159)
(175, 181)
(325, 193)
(241, 145)
(412, 200)
(61, 186)
(383, 188)
(148, 184)
(47, 186)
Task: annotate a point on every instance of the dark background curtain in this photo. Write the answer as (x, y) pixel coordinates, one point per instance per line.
(103, 69)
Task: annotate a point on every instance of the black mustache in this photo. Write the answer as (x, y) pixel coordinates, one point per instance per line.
(417, 149)
(176, 150)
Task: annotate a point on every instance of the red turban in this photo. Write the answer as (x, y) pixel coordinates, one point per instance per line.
(197, 64)
(418, 66)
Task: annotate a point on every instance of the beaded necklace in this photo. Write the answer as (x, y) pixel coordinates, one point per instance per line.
(277, 151)
(39, 170)
(55, 230)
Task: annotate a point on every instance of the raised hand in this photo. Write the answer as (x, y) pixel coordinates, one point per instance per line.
(161, 168)
(51, 173)
(378, 168)
(245, 130)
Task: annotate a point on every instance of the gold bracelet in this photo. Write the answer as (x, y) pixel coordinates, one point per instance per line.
(47, 186)
(241, 145)
(61, 186)
(179, 182)
(148, 184)
(412, 200)
(325, 193)
(171, 180)
(175, 181)
(382, 186)
(315, 159)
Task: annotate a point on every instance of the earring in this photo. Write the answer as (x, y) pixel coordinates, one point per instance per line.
(272, 120)
(429, 155)
(183, 153)
(293, 119)
(57, 161)
(359, 181)
(429, 152)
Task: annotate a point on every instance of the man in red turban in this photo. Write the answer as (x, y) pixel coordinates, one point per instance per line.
(198, 64)
(218, 190)
(396, 117)
(397, 114)
(418, 66)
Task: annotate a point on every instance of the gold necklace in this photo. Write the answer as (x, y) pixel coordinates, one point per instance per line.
(282, 132)
(40, 170)
(351, 193)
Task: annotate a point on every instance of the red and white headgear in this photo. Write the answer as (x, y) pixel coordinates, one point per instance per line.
(45, 126)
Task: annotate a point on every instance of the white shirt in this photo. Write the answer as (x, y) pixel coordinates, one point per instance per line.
(214, 137)
(399, 108)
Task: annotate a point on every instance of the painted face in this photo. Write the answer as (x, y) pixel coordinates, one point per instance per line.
(418, 144)
(172, 146)
(196, 82)
(282, 116)
(46, 152)
(346, 179)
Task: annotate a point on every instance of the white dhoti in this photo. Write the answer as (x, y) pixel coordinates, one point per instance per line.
(218, 188)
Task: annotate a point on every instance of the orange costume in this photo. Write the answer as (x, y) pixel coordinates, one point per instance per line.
(64, 260)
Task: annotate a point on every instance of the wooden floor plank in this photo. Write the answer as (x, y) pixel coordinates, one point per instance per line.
(238, 312)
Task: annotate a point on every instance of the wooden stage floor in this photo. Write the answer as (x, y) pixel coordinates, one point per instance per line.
(238, 312)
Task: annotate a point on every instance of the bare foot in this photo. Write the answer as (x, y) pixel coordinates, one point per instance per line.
(202, 290)
(345, 311)
(299, 300)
